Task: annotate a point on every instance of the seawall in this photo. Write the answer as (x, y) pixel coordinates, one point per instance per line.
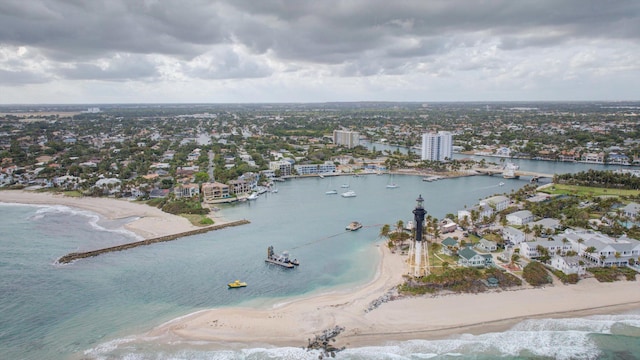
(81, 255)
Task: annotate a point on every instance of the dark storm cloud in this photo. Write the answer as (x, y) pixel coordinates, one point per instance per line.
(355, 38)
(310, 30)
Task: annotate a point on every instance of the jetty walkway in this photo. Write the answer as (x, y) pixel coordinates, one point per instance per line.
(81, 255)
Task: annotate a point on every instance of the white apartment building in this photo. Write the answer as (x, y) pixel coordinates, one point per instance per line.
(349, 139)
(437, 147)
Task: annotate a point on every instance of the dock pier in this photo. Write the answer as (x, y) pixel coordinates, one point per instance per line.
(82, 255)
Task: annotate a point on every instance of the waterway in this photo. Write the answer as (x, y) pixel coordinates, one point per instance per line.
(91, 309)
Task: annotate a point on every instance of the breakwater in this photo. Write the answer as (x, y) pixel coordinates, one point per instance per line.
(81, 255)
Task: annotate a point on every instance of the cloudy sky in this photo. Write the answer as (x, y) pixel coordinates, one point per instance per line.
(114, 51)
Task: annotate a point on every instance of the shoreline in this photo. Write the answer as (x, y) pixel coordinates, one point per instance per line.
(409, 318)
(149, 223)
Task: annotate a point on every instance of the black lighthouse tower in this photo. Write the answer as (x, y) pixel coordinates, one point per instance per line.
(418, 216)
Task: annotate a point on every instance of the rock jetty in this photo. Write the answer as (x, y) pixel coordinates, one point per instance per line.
(81, 255)
(323, 342)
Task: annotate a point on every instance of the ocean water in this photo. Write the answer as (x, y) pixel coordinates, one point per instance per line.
(97, 308)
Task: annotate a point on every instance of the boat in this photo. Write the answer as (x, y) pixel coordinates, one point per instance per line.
(331, 192)
(353, 226)
(344, 186)
(501, 183)
(349, 193)
(237, 284)
(282, 259)
(391, 184)
(253, 196)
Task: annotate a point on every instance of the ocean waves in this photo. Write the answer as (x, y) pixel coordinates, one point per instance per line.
(572, 338)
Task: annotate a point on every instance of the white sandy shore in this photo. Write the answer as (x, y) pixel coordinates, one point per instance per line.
(426, 317)
(151, 222)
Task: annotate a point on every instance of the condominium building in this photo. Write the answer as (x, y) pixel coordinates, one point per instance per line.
(437, 147)
(349, 139)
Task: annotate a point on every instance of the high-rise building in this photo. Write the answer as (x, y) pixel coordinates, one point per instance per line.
(437, 147)
(349, 139)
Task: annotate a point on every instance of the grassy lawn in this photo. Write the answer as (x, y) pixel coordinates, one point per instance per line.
(561, 189)
(198, 220)
(72, 193)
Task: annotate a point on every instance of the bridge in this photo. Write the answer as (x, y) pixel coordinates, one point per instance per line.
(516, 173)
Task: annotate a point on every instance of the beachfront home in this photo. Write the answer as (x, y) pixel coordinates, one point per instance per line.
(513, 235)
(449, 246)
(602, 249)
(530, 249)
(470, 258)
(520, 217)
(487, 245)
(568, 264)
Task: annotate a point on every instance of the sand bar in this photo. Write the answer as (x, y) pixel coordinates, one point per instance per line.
(151, 222)
(425, 317)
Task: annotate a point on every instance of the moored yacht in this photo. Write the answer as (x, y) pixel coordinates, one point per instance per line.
(349, 193)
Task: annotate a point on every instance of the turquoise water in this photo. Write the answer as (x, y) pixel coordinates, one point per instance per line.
(92, 308)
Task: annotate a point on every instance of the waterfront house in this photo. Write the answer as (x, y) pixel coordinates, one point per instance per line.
(487, 245)
(568, 264)
(602, 249)
(530, 250)
(499, 202)
(483, 211)
(513, 235)
(213, 191)
(520, 217)
(470, 258)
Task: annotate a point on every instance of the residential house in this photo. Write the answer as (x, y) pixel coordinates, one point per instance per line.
(602, 249)
(470, 258)
(593, 158)
(549, 225)
(529, 249)
(212, 191)
(499, 202)
(282, 165)
(186, 190)
(631, 210)
(487, 245)
(449, 246)
(513, 235)
(568, 264)
(482, 211)
(520, 217)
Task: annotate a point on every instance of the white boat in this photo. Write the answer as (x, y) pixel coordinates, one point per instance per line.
(344, 186)
(253, 196)
(274, 190)
(349, 193)
(353, 226)
(331, 192)
(501, 183)
(391, 184)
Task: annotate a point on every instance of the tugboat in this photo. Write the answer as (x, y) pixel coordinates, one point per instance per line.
(237, 284)
(353, 226)
(282, 259)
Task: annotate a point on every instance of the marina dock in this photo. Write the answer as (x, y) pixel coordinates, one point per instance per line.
(81, 255)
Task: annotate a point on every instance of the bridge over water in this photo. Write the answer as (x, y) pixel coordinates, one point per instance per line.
(516, 173)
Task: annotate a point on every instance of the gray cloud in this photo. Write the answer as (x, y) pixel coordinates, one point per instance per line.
(152, 40)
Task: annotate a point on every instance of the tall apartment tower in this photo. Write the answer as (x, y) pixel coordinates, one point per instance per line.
(437, 147)
(349, 139)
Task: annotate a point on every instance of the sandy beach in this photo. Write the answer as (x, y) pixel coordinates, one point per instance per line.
(425, 317)
(150, 222)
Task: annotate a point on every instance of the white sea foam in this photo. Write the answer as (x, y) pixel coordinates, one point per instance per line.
(92, 217)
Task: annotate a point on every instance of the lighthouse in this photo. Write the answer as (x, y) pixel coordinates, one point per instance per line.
(418, 260)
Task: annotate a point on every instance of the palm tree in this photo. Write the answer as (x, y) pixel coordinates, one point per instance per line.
(385, 230)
